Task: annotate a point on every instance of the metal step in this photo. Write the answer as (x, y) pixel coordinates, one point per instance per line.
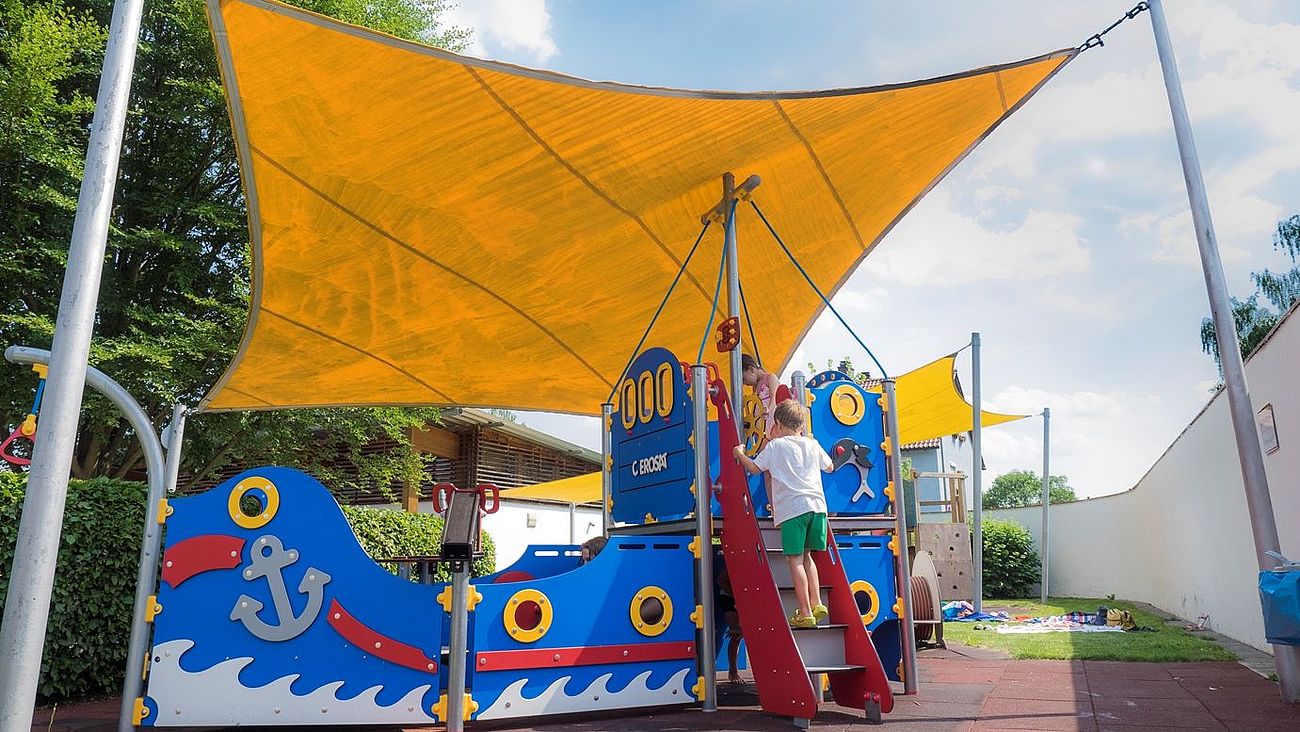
(781, 571)
(790, 602)
(834, 669)
(823, 646)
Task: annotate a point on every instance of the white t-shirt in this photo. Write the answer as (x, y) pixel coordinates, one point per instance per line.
(795, 463)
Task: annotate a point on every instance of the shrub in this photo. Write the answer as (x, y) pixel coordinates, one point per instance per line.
(90, 610)
(94, 587)
(1011, 565)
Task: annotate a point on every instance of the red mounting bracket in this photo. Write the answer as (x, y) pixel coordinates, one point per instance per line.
(489, 496)
(728, 334)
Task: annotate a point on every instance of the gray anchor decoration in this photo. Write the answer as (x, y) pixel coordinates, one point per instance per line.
(847, 451)
(269, 559)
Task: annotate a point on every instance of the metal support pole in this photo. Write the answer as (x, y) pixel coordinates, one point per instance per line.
(977, 472)
(733, 292)
(150, 545)
(456, 647)
(31, 580)
(708, 652)
(1259, 503)
(902, 565)
(573, 530)
(174, 436)
(606, 468)
(799, 385)
(1044, 545)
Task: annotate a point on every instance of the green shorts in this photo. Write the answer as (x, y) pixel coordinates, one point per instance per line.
(803, 533)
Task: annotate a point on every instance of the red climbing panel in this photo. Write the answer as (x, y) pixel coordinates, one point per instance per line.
(783, 684)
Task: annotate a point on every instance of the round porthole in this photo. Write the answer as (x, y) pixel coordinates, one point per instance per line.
(847, 405)
(867, 599)
(527, 616)
(253, 502)
(651, 611)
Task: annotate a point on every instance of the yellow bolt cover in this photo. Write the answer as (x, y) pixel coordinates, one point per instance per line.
(650, 519)
(41, 370)
(893, 545)
(698, 689)
(138, 711)
(695, 547)
(151, 608)
(889, 491)
(898, 607)
(883, 403)
(697, 617)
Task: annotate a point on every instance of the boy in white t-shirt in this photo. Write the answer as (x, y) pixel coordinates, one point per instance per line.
(795, 463)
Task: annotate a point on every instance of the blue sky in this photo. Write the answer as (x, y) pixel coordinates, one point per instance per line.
(1065, 239)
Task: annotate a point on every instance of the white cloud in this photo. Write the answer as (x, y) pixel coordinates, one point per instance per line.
(936, 246)
(1239, 223)
(1086, 430)
(514, 26)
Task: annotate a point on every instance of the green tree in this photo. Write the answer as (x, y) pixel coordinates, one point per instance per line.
(174, 297)
(1253, 319)
(1025, 488)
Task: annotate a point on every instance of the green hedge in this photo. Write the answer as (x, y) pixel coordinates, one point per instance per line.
(1011, 566)
(387, 533)
(90, 613)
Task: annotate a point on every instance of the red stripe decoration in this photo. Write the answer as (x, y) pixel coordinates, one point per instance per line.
(378, 645)
(199, 554)
(535, 658)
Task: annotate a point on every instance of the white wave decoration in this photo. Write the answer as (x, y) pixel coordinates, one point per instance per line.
(215, 697)
(597, 696)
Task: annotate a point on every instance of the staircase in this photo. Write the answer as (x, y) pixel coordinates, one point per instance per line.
(785, 661)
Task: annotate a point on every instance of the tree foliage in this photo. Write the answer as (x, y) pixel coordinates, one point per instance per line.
(1254, 319)
(1025, 488)
(175, 288)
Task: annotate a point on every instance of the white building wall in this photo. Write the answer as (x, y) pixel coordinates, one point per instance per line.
(1181, 538)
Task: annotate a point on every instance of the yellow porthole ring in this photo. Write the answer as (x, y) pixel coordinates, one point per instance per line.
(847, 404)
(648, 619)
(865, 586)
(510, 617)
(270, 502)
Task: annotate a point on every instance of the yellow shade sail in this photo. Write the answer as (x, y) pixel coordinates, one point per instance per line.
(578, 489)
(429, 228)
(930, 404)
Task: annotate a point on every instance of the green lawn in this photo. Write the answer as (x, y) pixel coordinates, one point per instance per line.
(1166, 644)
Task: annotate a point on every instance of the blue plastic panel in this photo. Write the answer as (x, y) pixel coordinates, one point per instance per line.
(591, 606)
(868, 430)
(210, 669)
(868, 558)
(653, 460)
(538, 560)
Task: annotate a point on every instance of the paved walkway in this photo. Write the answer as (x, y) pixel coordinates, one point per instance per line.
(971, 690)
